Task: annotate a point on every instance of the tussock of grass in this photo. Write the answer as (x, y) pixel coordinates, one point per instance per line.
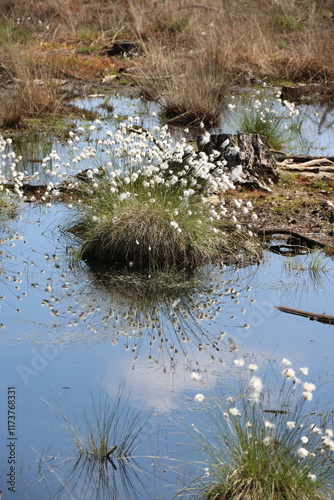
(196, 97)
(315, 264)
(268, 125)
(191, 92)
(192, 51)
(278, 129)
(11, 32)
(105, 445)
(112, 431)
(251, 37)
(35, 93)
(4, 203)
(266, 444)
(139, 234)
(309, 270)
(8, 207)
(157, 214)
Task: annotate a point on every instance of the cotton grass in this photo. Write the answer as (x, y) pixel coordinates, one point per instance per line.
(260, 117)
(263, 442)
(150, 204)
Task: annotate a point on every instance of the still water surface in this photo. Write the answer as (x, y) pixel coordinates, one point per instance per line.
(71, 335)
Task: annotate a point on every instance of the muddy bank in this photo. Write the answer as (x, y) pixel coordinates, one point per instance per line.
(302, 205)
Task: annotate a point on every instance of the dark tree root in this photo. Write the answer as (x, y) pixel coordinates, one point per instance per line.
(295, 243)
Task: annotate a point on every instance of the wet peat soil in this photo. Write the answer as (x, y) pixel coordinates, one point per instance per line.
(302, 204)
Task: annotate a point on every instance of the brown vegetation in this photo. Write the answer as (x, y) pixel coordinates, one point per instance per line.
(191, 52)
(32, 94)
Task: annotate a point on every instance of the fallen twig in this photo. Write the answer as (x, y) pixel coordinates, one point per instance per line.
(314, 164)
(305, 158)
(322, 318)
(200, 6)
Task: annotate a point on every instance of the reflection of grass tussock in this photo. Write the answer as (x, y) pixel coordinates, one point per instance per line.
(144, 290)
(174, 315)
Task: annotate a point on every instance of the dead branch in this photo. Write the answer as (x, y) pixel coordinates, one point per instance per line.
(305, 158)
(322, 318)
(200, 6)
(302, 239)
(314, 166)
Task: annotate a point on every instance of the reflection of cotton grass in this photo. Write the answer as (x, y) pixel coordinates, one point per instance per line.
(196, 377)
(199, 398)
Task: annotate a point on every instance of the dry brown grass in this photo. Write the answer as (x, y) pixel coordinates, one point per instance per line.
(34, 93)
(254, 38)
(189, 92)
(227, 43)
(194, 50)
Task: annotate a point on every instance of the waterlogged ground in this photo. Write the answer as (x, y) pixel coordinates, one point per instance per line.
(71, 336)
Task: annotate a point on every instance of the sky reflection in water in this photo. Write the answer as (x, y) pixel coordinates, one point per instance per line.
(72, 332)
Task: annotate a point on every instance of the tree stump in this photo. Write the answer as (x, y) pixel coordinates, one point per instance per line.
(245, 157)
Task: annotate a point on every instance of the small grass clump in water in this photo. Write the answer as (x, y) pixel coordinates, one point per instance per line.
(308, 270)
(151, 207)
(105, 443)
(315, 264)
(263, 444)
(259, 118)
(112, 432)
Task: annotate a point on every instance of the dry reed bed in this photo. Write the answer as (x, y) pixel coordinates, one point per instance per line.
(192, 51)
